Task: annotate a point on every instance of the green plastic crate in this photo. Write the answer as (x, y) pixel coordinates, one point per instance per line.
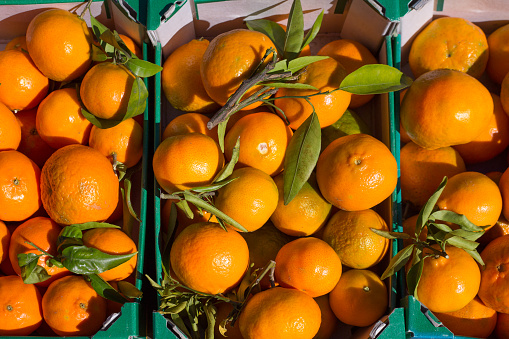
(173, 24)
(131, 322)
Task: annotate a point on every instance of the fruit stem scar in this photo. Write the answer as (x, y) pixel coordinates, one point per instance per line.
(9, 308)
(500, 268)
(83, 306)
(357, 161)
(15, 181)
(366, 288)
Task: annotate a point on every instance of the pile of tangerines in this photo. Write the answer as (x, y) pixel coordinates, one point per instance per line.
(455, 124)
(57, 173)
(326, 257)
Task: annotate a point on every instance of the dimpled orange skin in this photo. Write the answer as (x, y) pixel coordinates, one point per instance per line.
(264, 138)
(31, 143)
(190, 123)
(200, 159)
(209, 259)
(498, 64)
(494, 291)
(23, 85)
(492, 141)
(445, 108)
(474, 195)
(10, 131)
(105, 90)
(181, 80)
(59, 42)
(71, 307)
(231, 58)
(326, 75)
(20, 195)
(308, 264)
(447, 285)
(356, 172)
(59, 121)
(453, 43)
(280, 313)
(78, 185)
(250, 199)
(20, 307)
(112, 241)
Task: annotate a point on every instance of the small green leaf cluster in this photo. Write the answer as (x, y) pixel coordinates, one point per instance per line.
(112, 49)
(435, 221)
(79, 259)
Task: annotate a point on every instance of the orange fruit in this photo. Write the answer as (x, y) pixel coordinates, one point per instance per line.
(105, 90)
(452, 43)
(280, 313)
(349, 234)
(264, 138)
(10, 131)
(199, 160)
(329, 322)
(112, 241)
(125, 140)
(402, 133)
(504, 94)
(5, 238)
(209, 259)
(71, 307)
(309, 265)
(199, 215)
(189, 123)
(133, 46)
(305, 214)
(264, 244)
(492, 141)
(59, 42)
(326, 75)
(409, 225)
(422, 170)
(43, 232)
(23, 85)
(360, 298)
(356, 172)
(474, 195)
(181, 80)
(502, 328)
(494, 282)
(445, 108)
(474, 320)
(231, 58)
(19, 43)
(250, 199)
(352, 55)
(504, 189)
(500, 228)
(59, 121)
(78, 185)
(20, 307)
(495, 176)
(31, 143)
(498, 65)
(447, 285)
(19, 186)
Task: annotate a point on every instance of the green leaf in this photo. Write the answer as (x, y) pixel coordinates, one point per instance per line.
(105, 290)
(227, 170)
(213, 210)
(476, 256)
(458, 219)
(375, 79)
(88, 260)
(143, 68)
(461, 242)
(212, 187)
(440, 226)
(313, 31)
(413, 277)
(349, 123)
(137, 99)
(467, 234)
(294, 32)
(128, 289)
(184, 207)
(297, 64)
(271, 29)
(54, 262)
(390, 235)
(210, 314)
(31, 272)
(69, 236)
(301, 157)
(221, 132)
(114, 39)
(94, 224)
(98, 54)
(295, 85)
(99, 122)
(428, 208)
(398, 261)
(127, 194)
(97, 27)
